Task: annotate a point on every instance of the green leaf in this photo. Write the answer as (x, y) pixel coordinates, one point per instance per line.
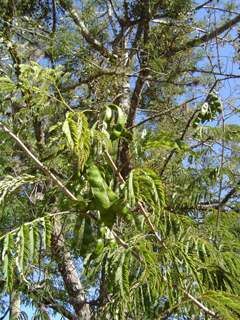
(6, 85)
(9, 184)
(144, 185)
(76, 130)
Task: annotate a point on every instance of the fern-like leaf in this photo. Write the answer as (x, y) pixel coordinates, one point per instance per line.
(145, 186)
(9, 184)
(227, 306)
(77, 132)
(21, 246)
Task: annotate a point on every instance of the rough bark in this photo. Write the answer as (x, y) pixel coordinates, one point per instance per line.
(69, 274)
(15, 302)
(125, 159)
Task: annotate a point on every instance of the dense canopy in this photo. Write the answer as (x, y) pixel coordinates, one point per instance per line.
(119, 159)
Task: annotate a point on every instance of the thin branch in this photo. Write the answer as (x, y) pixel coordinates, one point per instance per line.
(207, 37)
(54, 16)
(219, 171)
(229, 195)
(200, 6)
(200, 305)
(33, 31)
(98, 46)
(94, 76)
(5, 313)
(40, 165)
(162, 113)
(190, 120)
(220, 9)
(232, 75)
(216, 32)
(115, 12)
(49, 302)
(115, 168)
(181, 138)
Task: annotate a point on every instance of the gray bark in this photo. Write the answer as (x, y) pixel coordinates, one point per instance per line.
(15, 302)
(69, 274)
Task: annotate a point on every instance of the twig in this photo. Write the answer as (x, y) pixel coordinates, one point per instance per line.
(219, 172)
(162, 113)
(185, 131)
(200, 305)
(200, 6)
(5, 313)
(41, 166)
(100, 73)
(98, 46)
(54, 16)
(206, 37)
(115, 168)
(62, 99)
(181, 138)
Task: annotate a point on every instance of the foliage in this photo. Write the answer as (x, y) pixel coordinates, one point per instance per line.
(117, 199)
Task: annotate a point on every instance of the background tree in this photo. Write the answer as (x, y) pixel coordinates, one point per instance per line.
(119, 159)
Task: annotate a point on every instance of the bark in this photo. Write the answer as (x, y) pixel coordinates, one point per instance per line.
(125, 159)
(68, 271)
(15, 302)
(98, 46)
(125, 100)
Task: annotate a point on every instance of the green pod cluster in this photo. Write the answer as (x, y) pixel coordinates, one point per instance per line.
(103, 196)
(117, 208)
(95, 178)
(105, 199)
(115, 120)
(98, 187)
(108, 114)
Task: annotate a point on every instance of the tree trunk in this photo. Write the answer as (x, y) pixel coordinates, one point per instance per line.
(15, 302)
(69, 274)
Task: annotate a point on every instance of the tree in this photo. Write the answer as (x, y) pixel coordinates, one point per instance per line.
(119, 167)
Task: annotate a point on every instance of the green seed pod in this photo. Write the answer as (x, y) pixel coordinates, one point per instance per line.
(101, 199)
(112, 195)
(108, 114)
(121, 118)
(115, 134)
(94, 177)
(99, 246)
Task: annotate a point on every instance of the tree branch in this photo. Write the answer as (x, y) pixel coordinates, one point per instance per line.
(54, 16)
(49, 302)
(98, 46)
(94, 76)
(162, 113)
(206, 37)
(5, 314)
(200, 6)
(40, 165)
(200, 305)
(69, 273)
(190, 120)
